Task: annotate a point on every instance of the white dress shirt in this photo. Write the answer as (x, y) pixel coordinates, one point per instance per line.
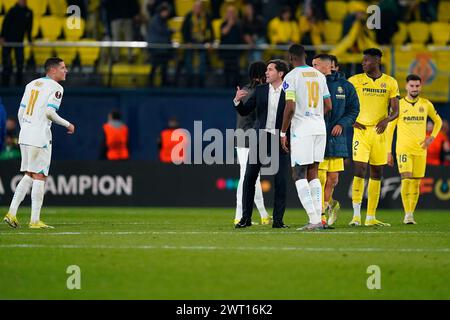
(274, 99)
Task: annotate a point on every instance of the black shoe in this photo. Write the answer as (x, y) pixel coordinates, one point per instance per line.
(243, 224)
(326, 226)
(280, 225)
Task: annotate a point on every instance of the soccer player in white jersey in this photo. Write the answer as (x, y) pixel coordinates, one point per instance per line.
(37, 111)
(307, 100)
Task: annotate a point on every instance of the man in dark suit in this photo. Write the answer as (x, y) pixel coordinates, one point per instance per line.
(269, 101)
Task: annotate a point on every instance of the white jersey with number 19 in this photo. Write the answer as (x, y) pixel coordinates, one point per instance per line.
(307, 87)
(39, 95)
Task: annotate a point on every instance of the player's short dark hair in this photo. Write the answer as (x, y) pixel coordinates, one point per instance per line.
(297, 50)
(334, 59)
(322, 56)
(115, 114)
(413, 77)
(280, 65)
(373, 52)
(257, 70)
(52, 63)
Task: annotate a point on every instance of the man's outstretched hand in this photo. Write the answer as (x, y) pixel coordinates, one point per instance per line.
(240, 93)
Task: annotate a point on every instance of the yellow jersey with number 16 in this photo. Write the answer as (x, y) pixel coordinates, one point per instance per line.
(412, 125)
(374, 96)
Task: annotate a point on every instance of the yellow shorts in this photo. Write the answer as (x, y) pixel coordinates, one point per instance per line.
(369, 146)
(415, 164)
(332, 164)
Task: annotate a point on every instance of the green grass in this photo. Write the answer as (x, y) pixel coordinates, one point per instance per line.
(141, 253)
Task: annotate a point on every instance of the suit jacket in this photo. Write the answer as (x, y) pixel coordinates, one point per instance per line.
(259, 101)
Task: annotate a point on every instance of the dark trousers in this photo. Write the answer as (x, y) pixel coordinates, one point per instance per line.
(160, 59)
(8, 66)
(231, 68)
(281, 178)
(193, 79)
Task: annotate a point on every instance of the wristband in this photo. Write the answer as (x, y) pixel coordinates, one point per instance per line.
(282, 134)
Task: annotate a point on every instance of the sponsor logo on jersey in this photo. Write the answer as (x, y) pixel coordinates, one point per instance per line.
(414, 118)
(371, 90)
(310, 74)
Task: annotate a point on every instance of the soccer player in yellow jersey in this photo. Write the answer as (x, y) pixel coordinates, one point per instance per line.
(376, 92)
(412, 144)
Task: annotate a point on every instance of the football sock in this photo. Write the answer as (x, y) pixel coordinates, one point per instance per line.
(323, 181)
(259, 200)
(316, 193)
(356, 210)
(20, 193)
(405, 192)
(374, 196)
(414, 193)
(357, 195)
(304, 194)
(37, 197)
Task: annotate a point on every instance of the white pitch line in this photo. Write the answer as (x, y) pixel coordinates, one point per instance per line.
(216, 248)
(49, 233)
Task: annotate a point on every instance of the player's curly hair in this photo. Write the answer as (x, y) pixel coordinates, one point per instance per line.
(374, 52)
(257, 73)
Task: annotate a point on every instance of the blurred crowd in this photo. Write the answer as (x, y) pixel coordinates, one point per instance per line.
(204, 22)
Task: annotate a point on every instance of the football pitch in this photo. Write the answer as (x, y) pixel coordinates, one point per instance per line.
(159, 253)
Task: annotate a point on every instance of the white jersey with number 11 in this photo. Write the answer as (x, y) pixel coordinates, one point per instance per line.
(39, 95)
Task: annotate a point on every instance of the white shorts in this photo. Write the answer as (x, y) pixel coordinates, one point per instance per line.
(308, 149)
(36, 160)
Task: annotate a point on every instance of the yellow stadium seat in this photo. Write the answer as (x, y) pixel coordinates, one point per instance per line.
(216, 23)
(51, 27)
(73, 34)
(58, 7)
(36, 27)
(8, 4)
(68, 54)
(182, 7)
(38, 7)
(443, 12)
(88, 55)
(333, 32)
(41, 54)
(175, 24)
(400, 36)
(419, 32)
(27, 52)
(440, 33)
(126, 75)
(336, 10)
(1, 22)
